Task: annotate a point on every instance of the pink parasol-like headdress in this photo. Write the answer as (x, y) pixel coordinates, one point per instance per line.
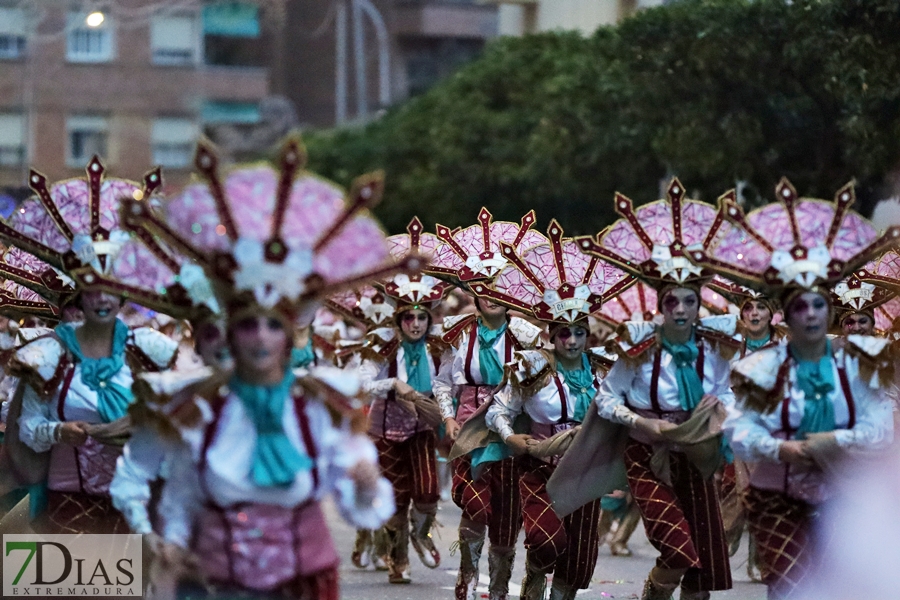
(73, 228)
(885, 274)
(365, 304)
(555, 281)
(271, 238)
(17, 300)
(795, 244)
(474, 253)
(637, 303)
(652, 241)
(414, 290)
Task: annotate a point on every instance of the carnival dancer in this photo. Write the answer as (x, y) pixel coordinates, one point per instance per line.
(368, 307)
(399, 375)
(756, 321)
(272, 440)
(79, 378)
(26, 314)
(559, 285)
(804, 406)
(480, 344)
(755, 331)
(619, 510)
(857, 303)
(669, 383)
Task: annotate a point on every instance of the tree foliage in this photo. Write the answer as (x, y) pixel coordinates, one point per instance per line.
(713, 91)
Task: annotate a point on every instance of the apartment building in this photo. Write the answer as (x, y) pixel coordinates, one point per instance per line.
(134, 81)
(348, 59)
(521, 17)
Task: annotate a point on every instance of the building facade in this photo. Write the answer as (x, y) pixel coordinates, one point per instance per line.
(349, 59)
(521, 17)
(135, 86)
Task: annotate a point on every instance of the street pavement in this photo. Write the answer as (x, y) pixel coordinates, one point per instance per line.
(615, 577)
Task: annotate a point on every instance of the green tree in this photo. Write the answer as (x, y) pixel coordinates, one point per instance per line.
(714, 91)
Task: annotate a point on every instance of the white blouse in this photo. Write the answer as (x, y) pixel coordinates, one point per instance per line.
(544, 406)
(229, 460)
(631, 381)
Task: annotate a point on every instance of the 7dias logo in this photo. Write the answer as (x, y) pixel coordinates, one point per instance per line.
(72, 565)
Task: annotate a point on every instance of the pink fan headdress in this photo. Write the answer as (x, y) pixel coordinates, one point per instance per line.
(637, 303)
(794, 244)
(853, 295)
(555, 281)
(652, 241)
(37, 298)
(474, 253)
(365, 304)
(73, 228)
(270, 237)
(414, 290)
(885, 273)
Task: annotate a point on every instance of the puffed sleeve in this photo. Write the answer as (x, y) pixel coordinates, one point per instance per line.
(139, 464)
(442, 384)
(507, 405)
(610, 398)
(37, 426)
(874, 429)
(362, 508)
(722, 381)
(372, 380)
(748, 436)
(181, 500)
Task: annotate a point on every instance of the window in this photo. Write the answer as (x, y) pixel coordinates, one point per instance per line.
(12, 140)
(174, 40)
(87, 43)
(87, 137)
(12, 32)
(215, 113)
(232, 35)
(173, 142)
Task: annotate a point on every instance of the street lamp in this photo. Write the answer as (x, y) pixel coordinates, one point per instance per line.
(95, 19)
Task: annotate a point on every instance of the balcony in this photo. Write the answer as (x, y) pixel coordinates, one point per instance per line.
(445, 19)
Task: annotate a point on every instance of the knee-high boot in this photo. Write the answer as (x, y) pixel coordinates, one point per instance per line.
(560, 590)
(534, 585)
(500, 566)
(421, 522)
(471, 542)
(398, 556)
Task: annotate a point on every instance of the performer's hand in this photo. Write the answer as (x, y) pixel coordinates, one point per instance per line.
(365, 475)
(518, 442)
(404, 390)
(653, 428)
(794, 452)
(451, 426)
(73, 433)
(709, 398)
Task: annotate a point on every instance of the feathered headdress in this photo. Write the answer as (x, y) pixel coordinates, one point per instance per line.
(555, 282)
